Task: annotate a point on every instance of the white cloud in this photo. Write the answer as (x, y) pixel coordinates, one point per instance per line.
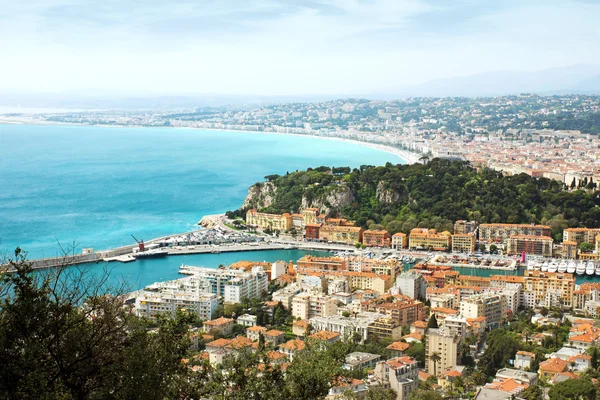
(281, 47)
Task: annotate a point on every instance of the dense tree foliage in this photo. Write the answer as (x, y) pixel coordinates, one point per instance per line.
(434, 195)
(502, 346)
(573, 389)
(61, 337)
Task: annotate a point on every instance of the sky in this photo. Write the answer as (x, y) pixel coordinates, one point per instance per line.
(282, 47)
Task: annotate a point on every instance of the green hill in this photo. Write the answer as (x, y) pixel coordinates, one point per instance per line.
(433, 195)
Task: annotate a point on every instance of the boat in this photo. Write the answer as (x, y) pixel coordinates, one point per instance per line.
(553, 266)
(530, 266)
(153, 253)
(562, 266)
(580, 268)
(597, 269)
(545, 266)
(571, 267)
(590, 269)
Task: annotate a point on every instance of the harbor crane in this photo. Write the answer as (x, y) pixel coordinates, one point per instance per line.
(140, 243)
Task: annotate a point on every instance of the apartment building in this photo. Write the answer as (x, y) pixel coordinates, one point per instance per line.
(341, 234)
(309, 216)
(537, 286)
(150, 304)
(463, 243)
(230, 283)
(463, 227)
(347, 327)
(429, 239)
(311, 264)
(307, 305)
(376, 238)
(370, 281)
(399, 374)
(445, 343)
(569, 249)
(501, 232)
(491, 306)
(534, 245)
(275, 222)
(390, 267)
(399, 241)
(412, 284)
(311, 231)
(222, 326)
(580, 235)
(402, 309)
(385, 328)
(286, 294)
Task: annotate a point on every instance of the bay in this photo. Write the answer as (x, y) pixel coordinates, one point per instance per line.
(96, 186)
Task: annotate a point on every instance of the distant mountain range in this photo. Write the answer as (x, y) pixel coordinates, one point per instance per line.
(575, 79)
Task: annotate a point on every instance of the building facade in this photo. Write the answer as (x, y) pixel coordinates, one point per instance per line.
(341, 234)
(275, 222)
(501, 232)
(463, 243)
(399, 241)
(376, 238)
(429, 239)
(535, 245)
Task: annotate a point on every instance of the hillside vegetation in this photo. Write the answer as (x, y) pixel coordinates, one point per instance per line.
(433, 195)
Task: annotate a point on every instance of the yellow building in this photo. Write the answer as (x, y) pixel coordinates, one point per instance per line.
(445, 343)
(309, 264)
(429, 239)
(542, 284)
(370, 281)
(462, 227)
(309, 215)
(569, 249)
(463, 243)
(580, 235)
(384, 328)
(399, 241)
(537, 245)
(274, 222)
(341, 234)
(390, 267)
(501, 232)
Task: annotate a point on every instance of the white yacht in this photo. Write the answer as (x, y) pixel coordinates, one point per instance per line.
(580, 268)
(562, 266)
(571, 267)
(530, 265)
(597, 269)
(590, 269)
(553, 266)
(545, 266)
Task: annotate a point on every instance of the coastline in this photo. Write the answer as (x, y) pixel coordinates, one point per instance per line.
(405, 155)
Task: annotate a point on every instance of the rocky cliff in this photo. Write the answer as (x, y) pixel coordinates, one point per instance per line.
(260, 195)
(335, 198)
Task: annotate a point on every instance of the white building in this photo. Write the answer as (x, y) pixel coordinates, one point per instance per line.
(411, 284)
(346, 326)
(307, 305)
(512, 292)
(246, 320)
(149, 304)
(399, 374)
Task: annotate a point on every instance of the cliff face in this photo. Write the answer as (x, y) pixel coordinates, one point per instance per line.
(386, 195)
(338, 197)
(260, 195)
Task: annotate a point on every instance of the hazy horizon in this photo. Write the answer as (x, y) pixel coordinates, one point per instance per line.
(291, 47)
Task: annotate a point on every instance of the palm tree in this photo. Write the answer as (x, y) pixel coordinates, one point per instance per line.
(435, 357)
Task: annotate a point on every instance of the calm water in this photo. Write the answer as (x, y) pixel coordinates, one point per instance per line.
(141, 273)
(96, 186)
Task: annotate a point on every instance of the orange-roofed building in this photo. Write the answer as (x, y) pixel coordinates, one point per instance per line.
(419, 327)
(299, 327)
(326, 336)
(376, 238)
(552, 366)
(397, 349)
(217, 345)
(253, 333)
(507, 385)
(291, 347)
(399, 241)
(223, 326)
(399, 374)
(274, 337)
(239, 343)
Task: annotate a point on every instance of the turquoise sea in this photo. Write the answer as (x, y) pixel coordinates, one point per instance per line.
(96, 186)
